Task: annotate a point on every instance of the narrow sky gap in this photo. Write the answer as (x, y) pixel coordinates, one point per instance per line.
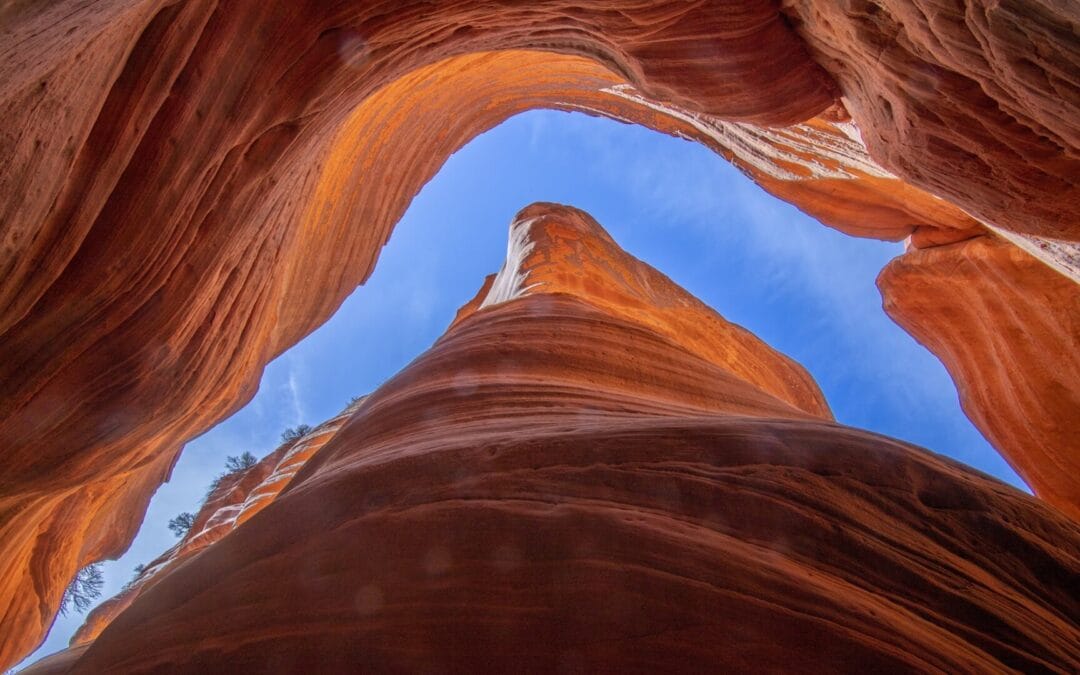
(803, 288)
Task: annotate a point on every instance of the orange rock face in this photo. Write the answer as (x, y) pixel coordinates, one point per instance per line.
(236, 499)
(187, 189)
(986, 90)
(564, 483)
(960, 301)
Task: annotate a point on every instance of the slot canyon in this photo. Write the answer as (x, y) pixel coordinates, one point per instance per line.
(591, 470)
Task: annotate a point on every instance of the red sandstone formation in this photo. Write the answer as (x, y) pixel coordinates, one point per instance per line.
(235, 499)
(232, 502)
(976, 102)
(562, 483)
(955, 300)
(189, 188)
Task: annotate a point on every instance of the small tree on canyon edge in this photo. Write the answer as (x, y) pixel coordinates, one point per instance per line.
(182, 523)
(295, 433)
(244, 461)
(83, 589)
(233, 465)
(136, 573)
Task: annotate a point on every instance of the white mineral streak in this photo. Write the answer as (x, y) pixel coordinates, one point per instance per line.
(227, 516)
(151, 570)
(288, 465)
(510, 281)
(792, 153)
(1061, 256)
(851, 131)
(223, 517)
(781, 152)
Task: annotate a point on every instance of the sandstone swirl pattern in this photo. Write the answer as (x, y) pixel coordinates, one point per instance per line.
(188, 188)
(563, 484)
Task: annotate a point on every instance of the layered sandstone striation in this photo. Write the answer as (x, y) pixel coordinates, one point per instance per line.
(564, 483)
(189, 188)
(556, 250)
(236, 498)
(987, 90)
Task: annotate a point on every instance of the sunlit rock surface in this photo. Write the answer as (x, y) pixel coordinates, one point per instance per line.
(187, 189)
(562, 483)
(985, 300)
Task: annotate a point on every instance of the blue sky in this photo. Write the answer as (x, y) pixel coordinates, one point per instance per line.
(803, 288)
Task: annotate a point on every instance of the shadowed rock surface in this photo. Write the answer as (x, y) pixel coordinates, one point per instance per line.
(562, 483)
(235, 499)
(188, 188)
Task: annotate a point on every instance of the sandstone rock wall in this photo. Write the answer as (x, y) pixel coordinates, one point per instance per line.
(984, 90)
(233, 501)
(985, 301)
(189, 188)
(560, 484)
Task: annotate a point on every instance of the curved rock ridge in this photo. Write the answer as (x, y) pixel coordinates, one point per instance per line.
(987, 90)
(187, 189)
(560, 485)
(959, 301)
(820, 165)
(235, 500)
(555, 249)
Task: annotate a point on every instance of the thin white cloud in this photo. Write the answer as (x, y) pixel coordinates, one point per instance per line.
(292, 386)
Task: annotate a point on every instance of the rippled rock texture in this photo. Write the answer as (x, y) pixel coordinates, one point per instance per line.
(563, 482)
(985, 90)
(948, 298)
(233, 501)
(189, 188)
